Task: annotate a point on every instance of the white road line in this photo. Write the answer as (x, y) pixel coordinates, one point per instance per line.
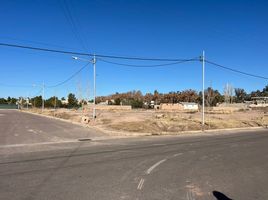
(33, 131)
(159, 144)
(36, 144)
(154, 166)
(177, 154)
(140, 185)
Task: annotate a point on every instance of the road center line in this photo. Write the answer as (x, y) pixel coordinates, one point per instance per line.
(140, 185)
(154, 166)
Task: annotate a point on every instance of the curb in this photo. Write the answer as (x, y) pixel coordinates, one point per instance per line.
(110, 134)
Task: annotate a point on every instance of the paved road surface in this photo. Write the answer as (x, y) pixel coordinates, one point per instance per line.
(176, 168)
(24, 128)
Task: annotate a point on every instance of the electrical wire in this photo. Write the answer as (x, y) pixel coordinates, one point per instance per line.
(71, 77)
(39, 92)
(70, 19)
(34, 42)
(146, 66)
(236, 71)
(89, 54)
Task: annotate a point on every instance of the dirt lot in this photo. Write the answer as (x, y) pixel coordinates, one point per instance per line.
(161, 122)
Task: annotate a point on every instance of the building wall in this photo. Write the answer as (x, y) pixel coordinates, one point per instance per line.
(190, 107)
(169, 106)
(110, 107)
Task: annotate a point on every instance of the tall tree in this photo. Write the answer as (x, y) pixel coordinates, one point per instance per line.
(72, 101)
(228, 93)
(240, 95)
(37, 101)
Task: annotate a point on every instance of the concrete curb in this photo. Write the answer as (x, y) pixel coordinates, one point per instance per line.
(52, 117)
(183, 133)
(112, 134)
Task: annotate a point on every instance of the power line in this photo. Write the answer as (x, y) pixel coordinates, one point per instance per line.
(34, 42)
(146, 66)
(69, 17)
(236, 71)
(89, 54)
(72, 76)
(129, 58)
(39, 92)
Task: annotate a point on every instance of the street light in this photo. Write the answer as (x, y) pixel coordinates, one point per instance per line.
(93, 61)
(43, 94)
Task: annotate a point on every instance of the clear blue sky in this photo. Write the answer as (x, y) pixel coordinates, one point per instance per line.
(232, 33)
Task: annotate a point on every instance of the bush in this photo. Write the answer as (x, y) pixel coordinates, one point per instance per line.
(136, 104)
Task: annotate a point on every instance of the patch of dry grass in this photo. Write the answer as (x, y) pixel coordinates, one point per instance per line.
(151, 121)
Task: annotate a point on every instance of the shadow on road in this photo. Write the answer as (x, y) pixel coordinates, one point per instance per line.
(220, 196)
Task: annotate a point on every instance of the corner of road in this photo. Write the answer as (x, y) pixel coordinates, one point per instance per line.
(109, 134)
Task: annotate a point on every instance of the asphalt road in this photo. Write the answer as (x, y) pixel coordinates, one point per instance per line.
(233, 165)
(18, 127)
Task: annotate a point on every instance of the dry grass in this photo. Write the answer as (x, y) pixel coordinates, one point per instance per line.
(157, 122)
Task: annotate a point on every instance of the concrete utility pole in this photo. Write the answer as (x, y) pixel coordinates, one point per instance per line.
(203, 91)
(55, 103)
(27, 103)
(93, 61)
(94, 100)
(43, 97)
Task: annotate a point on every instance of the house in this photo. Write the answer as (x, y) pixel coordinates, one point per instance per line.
(182, 106)
(259, 102)
(190, 106)
(171, 106)
(64, 101)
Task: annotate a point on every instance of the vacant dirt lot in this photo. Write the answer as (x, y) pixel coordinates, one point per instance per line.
(161, 122)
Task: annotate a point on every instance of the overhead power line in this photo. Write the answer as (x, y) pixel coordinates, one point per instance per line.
(38, 93)
(146, 66)
(236, 71)
(89, 54)
(174, 60)
(68, 79)
(71, 20)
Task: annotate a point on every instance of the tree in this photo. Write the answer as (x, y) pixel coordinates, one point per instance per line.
(228, 93)
(117, 101)
(156, 97)
(136, 103)
(13, 100)
(188, 96)
(212, 97)
(265, 91)
(72, 101)
(53, 102)
(37, 101)
(3, 101)
(240, 95)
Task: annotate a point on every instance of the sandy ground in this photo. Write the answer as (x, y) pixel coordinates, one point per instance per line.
(161, 122)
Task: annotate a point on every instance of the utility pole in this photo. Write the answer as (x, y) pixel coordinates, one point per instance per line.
(93, 61)
(27, 103)
(43, 97)
(203, 92)
(94, 83)
(55, 103)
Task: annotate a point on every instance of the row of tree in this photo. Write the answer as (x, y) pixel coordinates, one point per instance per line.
(55, 102)
(137, 100)
(212, 97)
(51, 102)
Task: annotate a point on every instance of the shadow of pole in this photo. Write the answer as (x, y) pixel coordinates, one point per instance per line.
(220, 196)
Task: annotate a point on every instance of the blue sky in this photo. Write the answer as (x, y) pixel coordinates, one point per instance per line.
(232, 33)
